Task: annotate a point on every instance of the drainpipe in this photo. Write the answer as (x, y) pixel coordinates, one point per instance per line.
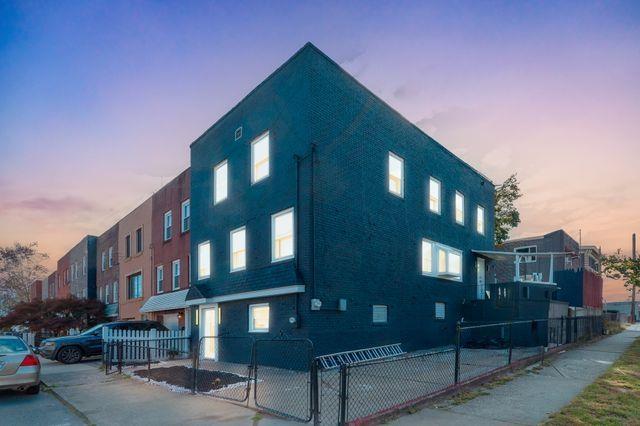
(551, 269)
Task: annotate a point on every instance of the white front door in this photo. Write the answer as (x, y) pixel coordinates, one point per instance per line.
(208, 329)
(480, 273)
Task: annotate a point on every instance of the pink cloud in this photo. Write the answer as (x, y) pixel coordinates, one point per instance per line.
(46, 204)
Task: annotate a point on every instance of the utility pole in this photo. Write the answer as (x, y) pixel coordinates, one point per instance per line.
(633, 286)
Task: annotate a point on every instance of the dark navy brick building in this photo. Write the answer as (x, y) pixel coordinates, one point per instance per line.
(320, 212)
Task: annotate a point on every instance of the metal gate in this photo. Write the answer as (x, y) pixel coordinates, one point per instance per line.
(223, 367)
(284, 378)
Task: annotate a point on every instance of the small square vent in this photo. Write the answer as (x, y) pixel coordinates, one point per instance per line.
(238, 134)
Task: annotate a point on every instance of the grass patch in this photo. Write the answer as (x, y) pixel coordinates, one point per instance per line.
(613, 399)
(467, 396)
(613, 327)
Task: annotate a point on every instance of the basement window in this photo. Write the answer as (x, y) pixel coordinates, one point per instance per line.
(259, 318)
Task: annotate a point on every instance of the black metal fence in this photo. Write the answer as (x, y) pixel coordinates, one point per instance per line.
(285, 379)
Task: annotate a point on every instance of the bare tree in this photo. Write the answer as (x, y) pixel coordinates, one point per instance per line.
(20, 265)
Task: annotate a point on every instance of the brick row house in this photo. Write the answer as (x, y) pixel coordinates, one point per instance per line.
(108, 272)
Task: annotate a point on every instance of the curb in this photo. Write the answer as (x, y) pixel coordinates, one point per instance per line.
(67, 404)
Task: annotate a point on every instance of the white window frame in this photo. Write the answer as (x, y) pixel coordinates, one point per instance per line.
(436, 248)
(401, 160)
(524, 258)
(160, 279)
(84, 266)
(233, 268)
(273, 235)
(168, 226)
(100, 295)
(254, 142)
(103, 262)
(252, 328)
(480, 223)
(436, 315)
(218, 197)
(200, 246)
(458, 196)
(175, 278)
(107, 294)
(436, 182)
(185, 215)
(115, 291)
(110, 263)
(385, 308)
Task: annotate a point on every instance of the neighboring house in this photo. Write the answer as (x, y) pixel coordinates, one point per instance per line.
(63, 277)
(136, 260)
(170, 230)
(579, 286)
(108, 273)
(81, 275)
(591, 258)
(320, 212)
(35, 290)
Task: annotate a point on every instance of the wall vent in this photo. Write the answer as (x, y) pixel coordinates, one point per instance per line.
(238, 133)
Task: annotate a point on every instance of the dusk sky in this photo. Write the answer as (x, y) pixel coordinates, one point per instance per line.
(99, 100)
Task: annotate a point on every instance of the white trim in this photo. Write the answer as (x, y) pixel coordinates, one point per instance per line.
(439, 210)
(455, 207)
(204, 277)
(401, 160)
(480, 230)
(435, 260)
(167, 228)
(273, 235)
(241, 268)
(525, 255)
(161, 289)
(218, 166)
(182, 215)
(173, 274)
(271, 292)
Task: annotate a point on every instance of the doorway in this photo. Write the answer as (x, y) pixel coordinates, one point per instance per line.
(480, 274)
(209, 329)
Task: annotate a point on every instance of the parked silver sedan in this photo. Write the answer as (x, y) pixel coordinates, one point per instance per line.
(19, 366)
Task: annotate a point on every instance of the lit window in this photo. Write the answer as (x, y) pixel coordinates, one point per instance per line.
(396, 175)
(260, 158)
(380, 314)
(459, 208)
(427, 257)
(447, 264)
(440, 310)
(220, 182)
(168, 222)
(238, 249)
(204, 260)
(159, 279)
(186, 215)
(434, 195)
(259, 318)
(175, 274)
(110, 257)
(282, 235)
(480, 220)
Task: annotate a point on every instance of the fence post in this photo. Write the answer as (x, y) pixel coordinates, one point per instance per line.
(120, 357)
(149, 361)
(315, 408)
(457, 366)
(343, 394)
(195, 359)
(510, 341)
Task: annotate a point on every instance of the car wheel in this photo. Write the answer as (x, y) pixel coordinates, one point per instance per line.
(33, 390)
(69, 355)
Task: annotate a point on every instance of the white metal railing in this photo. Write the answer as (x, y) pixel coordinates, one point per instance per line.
(359, 355)
(153, 345)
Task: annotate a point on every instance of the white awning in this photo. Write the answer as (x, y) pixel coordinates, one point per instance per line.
(508, 255)
(166, 302)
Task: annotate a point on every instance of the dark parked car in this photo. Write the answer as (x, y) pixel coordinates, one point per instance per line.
(71, 349)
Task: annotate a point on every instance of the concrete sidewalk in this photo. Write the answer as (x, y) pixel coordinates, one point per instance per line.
(118, 400)
(530, 398)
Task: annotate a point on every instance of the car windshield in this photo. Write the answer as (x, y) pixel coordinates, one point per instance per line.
(92, 330)
(9, 346)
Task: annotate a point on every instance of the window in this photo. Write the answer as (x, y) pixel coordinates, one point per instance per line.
(440, 310)
(238, 244)
(527, 249)
(260, 158)
(134, 286)
(259, 318)
(100, 294)
(238, 133)
(434, 195)
(138, 240)
(480, 220)
(104, 261)
(115, 292)
(220, 182)
(84, 265)
(446, 264)
(110, 257)
(127, 246)
(459, 208)
(168, 222)
(379, 313)
(204, 260)
(186, 216)
(107, 290)
(396, 175)
(159, 279)
(282, 235)
(175, 274)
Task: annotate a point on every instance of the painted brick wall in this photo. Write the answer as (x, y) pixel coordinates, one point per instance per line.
(357, 242)
(106, 279)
